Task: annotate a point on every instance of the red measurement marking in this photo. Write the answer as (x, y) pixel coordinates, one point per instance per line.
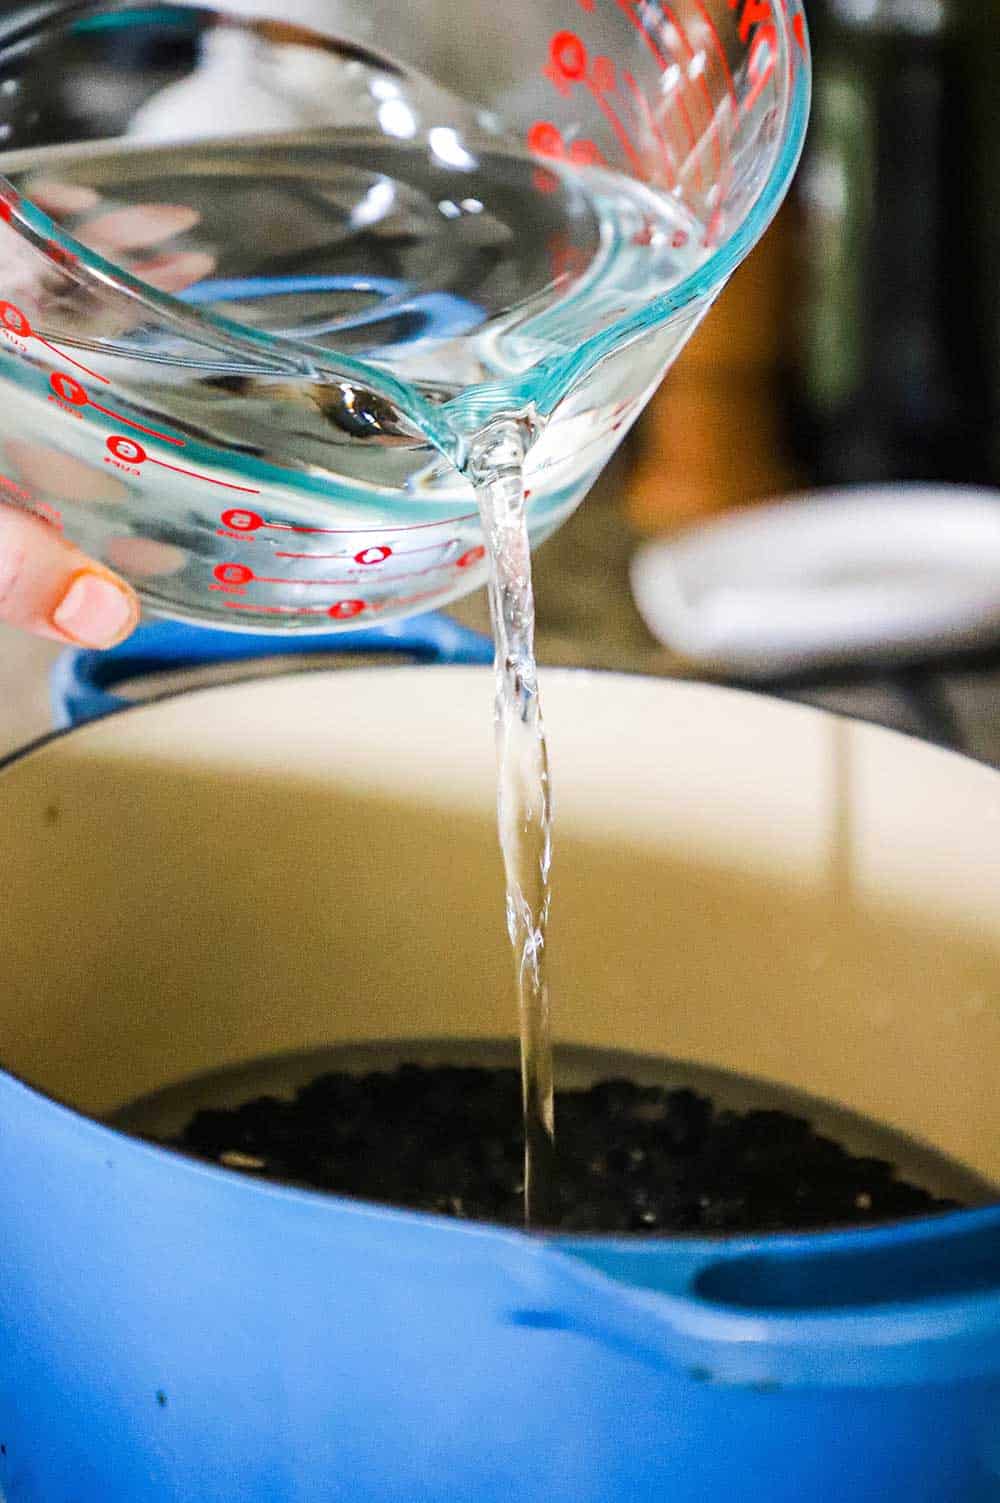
(713, 129)
(587, 5)
(277, 610)
(799, 28)
(377, 554)
(275, 579)
(471, 557)
(282, 553)
(545, 139)
(568, 65)
(758, 13)
(585, 153)
(18, 492)
(628, 9)
(17, 323)
(233, 574)
(329, 583)
(565, 259)
(624, 140)
(765, 41)
(341, 610)
(602, 75)
(6, 210)
(650, 119)
(689, 51)
(602, 81)
(753, 13)
(153, 432)
(59, 254)
(397, 602)
(354, 531)
(567, 60)
(50, 514)
(620, 413)
(126, 449)
(78, 363)
(721, 51)
(13, 319)
(682, 107)
(242, 521)
(209, 479)
(69, 390)
(398, 552)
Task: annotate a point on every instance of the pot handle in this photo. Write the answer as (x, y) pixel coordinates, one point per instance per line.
(82, 680)
(889, 1307)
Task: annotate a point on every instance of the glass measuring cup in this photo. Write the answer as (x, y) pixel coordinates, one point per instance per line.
(263, 289)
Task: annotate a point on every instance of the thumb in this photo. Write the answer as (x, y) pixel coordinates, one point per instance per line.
(50, 588)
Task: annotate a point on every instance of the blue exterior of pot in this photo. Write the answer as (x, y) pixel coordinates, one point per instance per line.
(174, 1332)
(171, 1332)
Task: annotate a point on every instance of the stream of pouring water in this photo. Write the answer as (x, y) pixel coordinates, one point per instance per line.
(524, 809)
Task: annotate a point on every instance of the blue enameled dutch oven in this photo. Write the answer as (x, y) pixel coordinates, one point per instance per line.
(309, 859)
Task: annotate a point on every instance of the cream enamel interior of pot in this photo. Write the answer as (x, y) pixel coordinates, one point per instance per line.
(312, 859)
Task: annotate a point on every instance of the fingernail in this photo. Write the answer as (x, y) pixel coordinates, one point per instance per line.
(95, 612)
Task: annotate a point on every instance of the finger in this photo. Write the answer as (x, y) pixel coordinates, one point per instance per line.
(52, 473)
(138, 228)
(62, 200)
(47, 586)
(175, 273)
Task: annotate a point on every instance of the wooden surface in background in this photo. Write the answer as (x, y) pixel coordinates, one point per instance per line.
(712, 437)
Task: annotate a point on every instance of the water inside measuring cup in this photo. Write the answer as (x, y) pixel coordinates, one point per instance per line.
(335, 200)
(450, 269)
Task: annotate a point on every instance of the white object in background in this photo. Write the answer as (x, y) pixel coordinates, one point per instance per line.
(831, 577)
(242, 84)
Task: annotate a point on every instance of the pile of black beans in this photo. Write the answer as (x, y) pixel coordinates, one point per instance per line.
(629, 1158)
